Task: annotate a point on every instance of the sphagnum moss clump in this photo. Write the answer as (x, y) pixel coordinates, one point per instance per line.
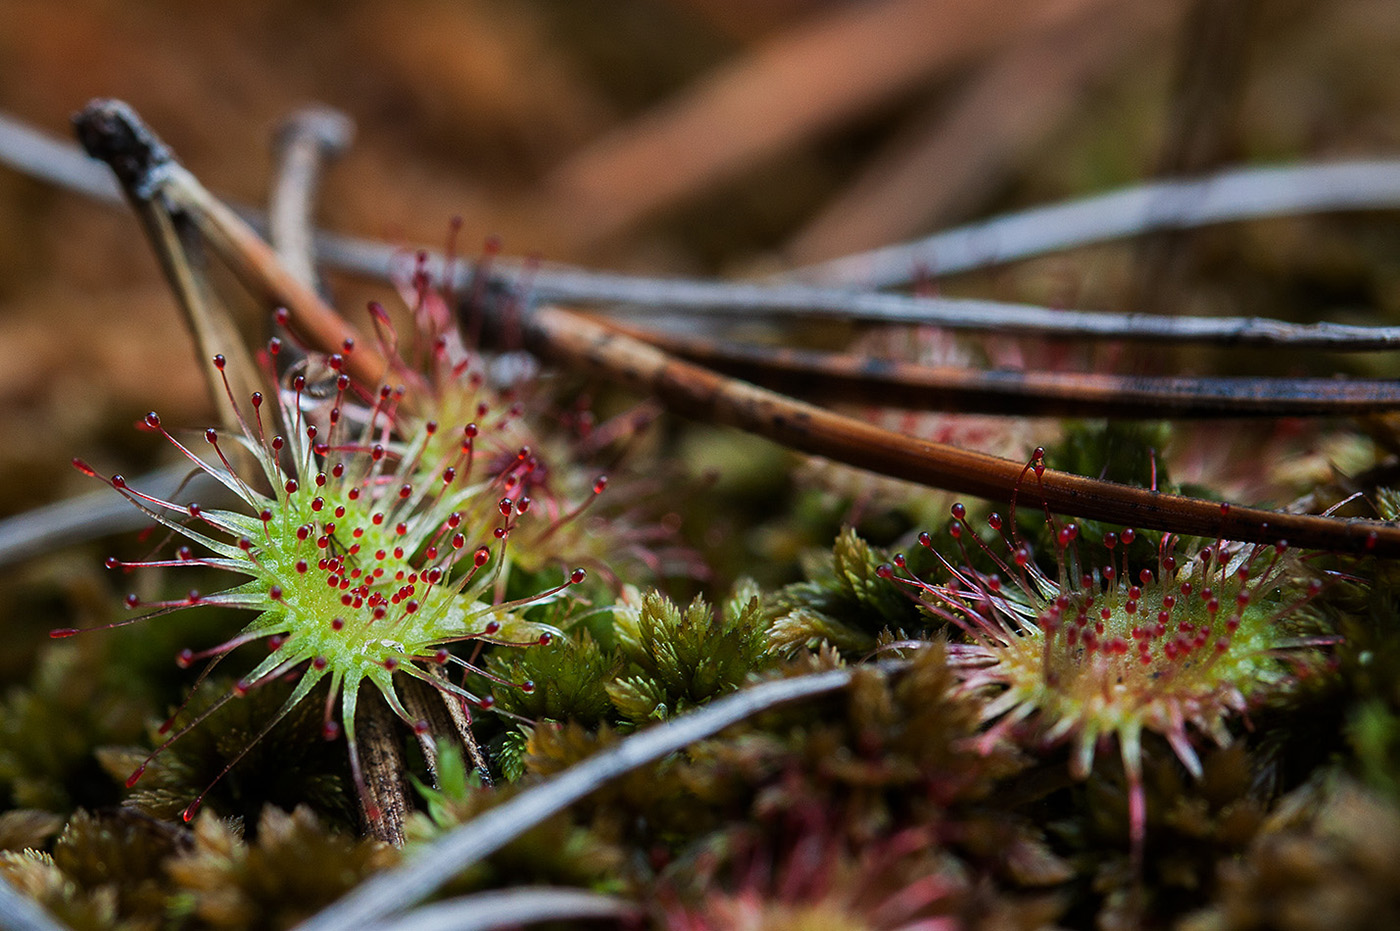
(1101, 652)
(366, 558)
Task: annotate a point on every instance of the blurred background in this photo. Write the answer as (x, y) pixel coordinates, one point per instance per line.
(711, 137)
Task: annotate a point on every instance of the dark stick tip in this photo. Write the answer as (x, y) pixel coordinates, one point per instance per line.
(111, 131)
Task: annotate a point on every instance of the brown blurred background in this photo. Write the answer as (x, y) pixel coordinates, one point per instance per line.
(722, 137)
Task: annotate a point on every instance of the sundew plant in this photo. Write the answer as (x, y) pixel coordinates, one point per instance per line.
(1099, 650)
(369, 549)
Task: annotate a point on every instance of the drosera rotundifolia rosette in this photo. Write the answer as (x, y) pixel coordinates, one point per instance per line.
(1109, 649)
(372, 543)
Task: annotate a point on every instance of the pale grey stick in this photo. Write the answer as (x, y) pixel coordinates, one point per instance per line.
(1240, 194)
(560, 284)
(399, 888)
(20, 913)
(506, 908)
(305, 143)
(1237, 194)
(98, 513)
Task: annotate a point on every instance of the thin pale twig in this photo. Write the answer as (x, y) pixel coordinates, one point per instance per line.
(20, 913)
(1230, 196)
(98, 514)
(1245, 193)
(507, 908)
(305, 143)
(62, 164)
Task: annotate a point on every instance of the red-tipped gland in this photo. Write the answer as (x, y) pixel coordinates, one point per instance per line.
(153, 420)
(959, 511)
(59, 633)
(577, 576)
(545, 639)
(491, 628)
(483, 555)
(884, 571)
(132, 601)
(527, 686)
(136, 774)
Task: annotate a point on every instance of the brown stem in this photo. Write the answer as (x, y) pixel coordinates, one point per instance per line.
(695, 391)
(382, 757)
(848, 378)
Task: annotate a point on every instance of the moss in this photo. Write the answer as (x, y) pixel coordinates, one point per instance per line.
(1328, 857)
(294, 868)
(680, 659)
(569, 679)
(843, 603)
(49, 731)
